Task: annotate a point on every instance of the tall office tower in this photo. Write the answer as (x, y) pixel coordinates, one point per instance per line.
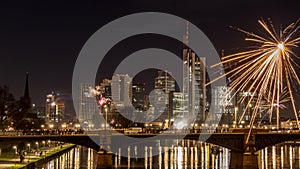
(121, 87)
(105, 88)
(50, 106)
(69, 111)
(164, 84)
(139, 96)
(194, 82)
(164, 81)
(224, 105)
(87, 103)
(40, 112)
(244, 107)
(178, 104)
(105, 93)
(55, 109)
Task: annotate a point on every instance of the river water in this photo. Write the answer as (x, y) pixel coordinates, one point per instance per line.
(184, 156)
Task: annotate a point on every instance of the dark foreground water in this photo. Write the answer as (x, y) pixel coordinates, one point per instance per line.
(185, 156)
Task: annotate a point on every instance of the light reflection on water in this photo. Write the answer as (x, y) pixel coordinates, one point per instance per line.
(186, 155)
(77, 158)
(283, 156)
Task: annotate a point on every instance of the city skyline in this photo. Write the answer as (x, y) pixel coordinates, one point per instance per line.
(50, 64)
(159, 84)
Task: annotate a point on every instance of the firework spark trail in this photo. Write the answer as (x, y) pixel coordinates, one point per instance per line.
(269, 106)
(266, 71)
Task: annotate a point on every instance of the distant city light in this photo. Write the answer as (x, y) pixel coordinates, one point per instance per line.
(179, 125)
(53, 104)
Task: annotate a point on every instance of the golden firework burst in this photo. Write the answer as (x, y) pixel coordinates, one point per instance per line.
(267, 70)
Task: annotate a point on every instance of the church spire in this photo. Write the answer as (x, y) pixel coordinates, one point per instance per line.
(26, 91)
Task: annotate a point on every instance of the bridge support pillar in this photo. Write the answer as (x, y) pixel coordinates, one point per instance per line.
(236, 160)
(104, 156)
(104, 159)
(250, 161)
(240, 160)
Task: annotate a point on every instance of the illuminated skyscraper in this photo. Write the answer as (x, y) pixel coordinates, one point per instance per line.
(224, 105)
(164, 84)
(105, 88)
(178, 104)
(245, 107)
(55, 109)
(121, 87)
(194, 82)
(87, 103)
(139, 96)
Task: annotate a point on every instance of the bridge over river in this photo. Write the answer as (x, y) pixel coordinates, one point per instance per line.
(243, 155)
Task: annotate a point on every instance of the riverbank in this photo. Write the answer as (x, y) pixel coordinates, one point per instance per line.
(32, 160)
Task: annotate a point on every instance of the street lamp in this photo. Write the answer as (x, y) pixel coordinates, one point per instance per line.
(105, 119)
(91, 126)
(63, 126)
(53, 104)
(37, 145)
(242, 123)
(235, 114)
(15, 148)
(28, 147)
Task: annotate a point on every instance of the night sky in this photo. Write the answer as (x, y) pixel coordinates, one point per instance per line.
(44, 38)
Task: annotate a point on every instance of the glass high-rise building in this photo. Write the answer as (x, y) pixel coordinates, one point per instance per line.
(105, 88)
(55, 109)
(178, 104)
(139, 96)
(194, 78)
(121, 86)
(164, 84)
(88, 107)
(224, 105)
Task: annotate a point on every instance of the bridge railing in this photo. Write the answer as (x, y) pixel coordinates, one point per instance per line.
(39, 132)
(195, 131)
